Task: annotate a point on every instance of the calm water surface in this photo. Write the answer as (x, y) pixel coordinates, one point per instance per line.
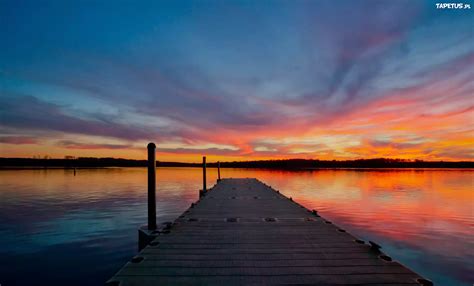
(57, 228)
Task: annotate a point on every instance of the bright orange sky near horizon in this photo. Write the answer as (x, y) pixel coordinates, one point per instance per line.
(291, 81)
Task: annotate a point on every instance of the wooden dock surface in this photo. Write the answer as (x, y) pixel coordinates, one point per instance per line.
(244, 232)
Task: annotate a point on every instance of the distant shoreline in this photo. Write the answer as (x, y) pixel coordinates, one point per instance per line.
(290, 164)
(29, 168)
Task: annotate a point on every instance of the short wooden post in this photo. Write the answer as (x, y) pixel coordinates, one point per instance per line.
(151, 186)
(204, 189)
(218, 171)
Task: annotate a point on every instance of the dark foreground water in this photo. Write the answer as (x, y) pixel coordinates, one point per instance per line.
(61, 229)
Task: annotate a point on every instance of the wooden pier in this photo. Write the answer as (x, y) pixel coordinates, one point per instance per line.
(242, 232)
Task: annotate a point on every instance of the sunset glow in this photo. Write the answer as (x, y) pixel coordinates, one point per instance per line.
(237, 80)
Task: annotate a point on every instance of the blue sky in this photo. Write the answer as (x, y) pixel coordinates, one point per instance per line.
(236, 79)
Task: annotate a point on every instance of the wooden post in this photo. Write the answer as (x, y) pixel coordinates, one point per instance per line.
(204, 175)
(218, 171)
(151, 186)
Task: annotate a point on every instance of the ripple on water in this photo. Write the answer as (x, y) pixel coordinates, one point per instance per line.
(89, 221)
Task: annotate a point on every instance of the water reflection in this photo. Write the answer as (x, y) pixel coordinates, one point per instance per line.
(423, 218)
(60, 223)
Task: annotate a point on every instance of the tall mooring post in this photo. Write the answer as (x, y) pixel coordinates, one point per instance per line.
(151, 186)
(204, 189)
(149, 232)
(218, 171)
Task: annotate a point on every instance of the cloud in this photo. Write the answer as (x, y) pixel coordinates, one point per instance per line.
(214, 151)
(18, 140)
(190, 94)
(28, 112)
(77, 145)
(394, 145)
(457, 153)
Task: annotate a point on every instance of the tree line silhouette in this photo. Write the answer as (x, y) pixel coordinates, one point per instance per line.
(294, 164)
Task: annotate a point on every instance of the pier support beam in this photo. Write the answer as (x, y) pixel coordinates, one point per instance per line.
(151, 186)
(218, 171)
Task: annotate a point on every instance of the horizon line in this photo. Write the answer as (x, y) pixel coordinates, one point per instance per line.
(248, 161)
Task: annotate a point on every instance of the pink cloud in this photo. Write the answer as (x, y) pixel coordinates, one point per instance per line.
(19, 140)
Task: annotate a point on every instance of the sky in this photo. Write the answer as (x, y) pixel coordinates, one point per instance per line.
(236, 80)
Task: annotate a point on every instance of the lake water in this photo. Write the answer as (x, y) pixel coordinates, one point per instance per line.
(61, 229)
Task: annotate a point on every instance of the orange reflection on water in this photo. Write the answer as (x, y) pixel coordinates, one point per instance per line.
(425, 210)
(423, 218)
